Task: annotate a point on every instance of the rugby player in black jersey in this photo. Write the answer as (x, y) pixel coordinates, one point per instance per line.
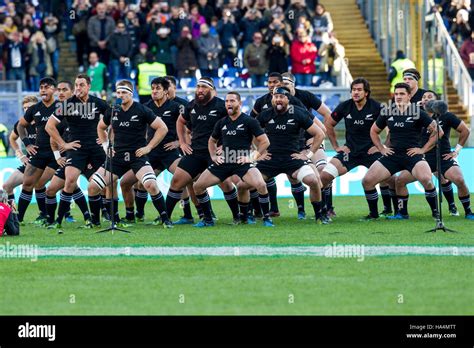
(82, 113)
(411, 78)
(405, 123)
(319, 158)
(65, 91)
(359, 113)
(16, 178)
(274, 80)
(450, 170)
(236, 133)
(200, 116)
(41, 154)
(129, 125)
(164, 156)
(283, 123)
(172, 92)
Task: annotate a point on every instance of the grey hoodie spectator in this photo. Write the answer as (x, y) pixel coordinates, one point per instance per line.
(209, 49)
(99, 28)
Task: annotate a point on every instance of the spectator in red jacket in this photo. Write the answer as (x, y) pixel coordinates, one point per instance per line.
(303, 55)
(467, 54)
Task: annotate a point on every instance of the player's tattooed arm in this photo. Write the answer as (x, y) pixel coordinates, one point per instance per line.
(21, 127)
(375, 136)
(181, 130)
(432, 128)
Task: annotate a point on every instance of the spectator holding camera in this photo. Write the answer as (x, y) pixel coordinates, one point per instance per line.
(228, 31)
(15, 52)
(9, 223)
(186, 62)
(277, 54)
(249, 25)
(39, 51)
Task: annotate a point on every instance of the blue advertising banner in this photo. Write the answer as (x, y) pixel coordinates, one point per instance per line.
(347, 185)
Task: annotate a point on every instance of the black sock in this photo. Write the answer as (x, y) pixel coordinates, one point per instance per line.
(329, 198)
(65, 199)
(141, 198)
(466, 203)
(393, 196)
(172, 198)
(129, 214)
(244, 210)
(298, 194)
(11, 197)
(81, 202)
(203, 200)
(402, 205)
(160, 205)
(372, 199)
(40, 195)
(116, 210)
(386, 198)
(317, 209)
(448, 193)
(254, 203)
(187, 209)
(106, 207)
(324, 199)
(199, 211)
(95, 203)
(272, 194)
(264, 201)
(231, 199)
(23, 202)
(430, 196)
(51, 205)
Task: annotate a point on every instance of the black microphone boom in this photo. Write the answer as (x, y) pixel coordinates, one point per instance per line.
(429, 106)
(440, 107)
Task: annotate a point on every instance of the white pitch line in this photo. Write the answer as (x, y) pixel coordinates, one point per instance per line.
(257, 250)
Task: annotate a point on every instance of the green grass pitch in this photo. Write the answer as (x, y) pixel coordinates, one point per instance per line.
(227, 285)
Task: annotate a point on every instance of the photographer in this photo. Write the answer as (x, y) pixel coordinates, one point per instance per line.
(8, 216)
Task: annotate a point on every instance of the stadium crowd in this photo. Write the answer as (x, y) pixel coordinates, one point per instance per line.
(187, 38)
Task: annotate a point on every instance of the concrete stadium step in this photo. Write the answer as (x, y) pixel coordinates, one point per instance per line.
(455, 104)
(361, 53)
(68, 68)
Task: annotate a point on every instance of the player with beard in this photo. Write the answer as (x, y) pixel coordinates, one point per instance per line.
(283, 125)
(82, 113)
(164, 156)
(359, 114)
(236, 133)
(405, 124)
(200, 116)
(65, 91)
(41, 154)
(16, 178)
(129, 125)
(450, 170)
(319, 159)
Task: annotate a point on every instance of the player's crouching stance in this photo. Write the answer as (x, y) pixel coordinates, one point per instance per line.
(129, 125)
(236, 133)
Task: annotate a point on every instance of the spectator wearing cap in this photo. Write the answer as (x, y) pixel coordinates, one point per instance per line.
(186, 63)
(40, 65)
(255, 60)
(303, 54)
(79, 30)
(228, 31)
(160, 44)
(15, 52)
(97, 71)
(196, 20)
(277, 54)
(399, 65)
(209, 48)
(120, 46)
(322, 25)
(99, 28)
(147, 71)
(467, 54)
(411, 77)
(461, 30)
